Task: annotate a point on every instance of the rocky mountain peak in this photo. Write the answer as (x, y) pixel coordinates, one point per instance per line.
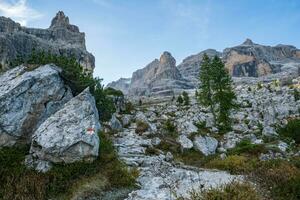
(7, 25)
(248, 42)
(167, 59)
(62, 21)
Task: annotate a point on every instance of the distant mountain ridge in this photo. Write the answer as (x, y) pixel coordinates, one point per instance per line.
(163, 77)
(61, 38)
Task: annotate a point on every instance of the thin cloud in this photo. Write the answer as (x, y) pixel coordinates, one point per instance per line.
(18, 11)
(189, 14)
(102, 3)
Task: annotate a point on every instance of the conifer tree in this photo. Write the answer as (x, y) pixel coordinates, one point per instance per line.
(186, 98)
(179, 100)
(215, 91)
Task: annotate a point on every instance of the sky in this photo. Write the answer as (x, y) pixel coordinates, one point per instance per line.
(126, 35)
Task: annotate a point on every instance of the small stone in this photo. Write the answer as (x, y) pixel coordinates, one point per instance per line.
(169, 157)
(155, 141)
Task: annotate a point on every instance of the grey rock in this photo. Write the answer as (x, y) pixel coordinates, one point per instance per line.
(223, 156)
(185, 142)
(190, 66)
(206, 145)
(250, 59)
(241, 128)
(269, 131)
(231, 139)
(69, 135)
(160, 77)
(61, 38)
(155, 141)
(169, 156)
(282, 146)
(27, 98)
(126, 120)
(115, 124)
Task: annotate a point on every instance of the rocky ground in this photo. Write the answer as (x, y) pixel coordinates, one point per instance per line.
(141, 138)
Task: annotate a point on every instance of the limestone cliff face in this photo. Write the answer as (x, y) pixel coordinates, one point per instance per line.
(254, 60)
(159, 77)
(61, 38)
(122, 84)
(190, 66)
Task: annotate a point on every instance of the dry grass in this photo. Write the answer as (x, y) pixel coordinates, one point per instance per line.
(232, 191)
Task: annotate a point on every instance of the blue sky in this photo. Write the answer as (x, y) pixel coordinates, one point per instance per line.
(125, 35)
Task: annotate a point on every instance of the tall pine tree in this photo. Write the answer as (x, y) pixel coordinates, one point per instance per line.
(215, 91)
(205, 93)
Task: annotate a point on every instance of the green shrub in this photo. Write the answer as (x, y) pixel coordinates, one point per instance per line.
(113, 92)
(246, 147)
(170, 129)
(291, 130)
(232, 191)
(129, 108)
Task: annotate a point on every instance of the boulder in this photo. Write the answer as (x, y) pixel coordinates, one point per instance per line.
(269, 131)
(126, 120)
(155, 141)
(115, 124)
(206, 145)
(67, 136)
(27, 98)
(185, 142)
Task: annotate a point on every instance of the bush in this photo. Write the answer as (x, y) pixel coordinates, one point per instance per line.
(113, 92)
(291, 130)
(128, 108)
(169, 127)
(18, 182)
(232, 191)
(141, 127)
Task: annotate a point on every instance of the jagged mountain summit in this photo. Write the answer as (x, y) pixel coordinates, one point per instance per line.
(160, 77)
(255, 60)
(61, 38)
(248, 59)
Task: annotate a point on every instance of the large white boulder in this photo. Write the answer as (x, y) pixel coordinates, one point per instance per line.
(67, 136)
(206, 145)
(27, 98)
(185, 142)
